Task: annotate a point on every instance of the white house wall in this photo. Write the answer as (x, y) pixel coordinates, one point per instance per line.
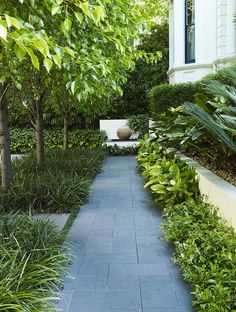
(214, 39)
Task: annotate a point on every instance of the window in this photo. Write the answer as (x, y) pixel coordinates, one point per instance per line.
(189, 31)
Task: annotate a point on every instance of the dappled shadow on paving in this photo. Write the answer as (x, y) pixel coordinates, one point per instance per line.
(121, 263)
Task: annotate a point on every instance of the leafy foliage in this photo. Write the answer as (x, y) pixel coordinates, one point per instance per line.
(205, 244)
(145, 75)
(207, 125)
(164, 96)
(60, 186)
(23, 140)
(28, 248)
(116, 150)
(170, 179)
(139, 124)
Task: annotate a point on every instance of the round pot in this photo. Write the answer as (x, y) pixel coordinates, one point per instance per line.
(124, 133)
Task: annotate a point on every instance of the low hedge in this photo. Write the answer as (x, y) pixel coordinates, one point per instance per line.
(164, 96)
(23, 140)
(205, 244)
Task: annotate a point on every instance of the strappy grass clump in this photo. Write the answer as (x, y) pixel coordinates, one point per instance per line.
(32, 263)
(59, 186)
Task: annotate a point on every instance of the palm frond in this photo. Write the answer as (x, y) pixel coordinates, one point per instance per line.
(229, 73)
(218, 89)
(211, 125)
(227, 122)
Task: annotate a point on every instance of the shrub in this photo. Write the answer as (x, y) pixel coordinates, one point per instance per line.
(62, 184)
(165, 96)
(139, 123)
(32, 263)
(23, 140)
(205, 244)
(122, 151)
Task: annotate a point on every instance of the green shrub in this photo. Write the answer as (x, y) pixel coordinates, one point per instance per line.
(165, 96)
(170, 179)
(116, 150)
(205, 244)
(23, 140)
(32, 263)
(139, 123)
(62, 184)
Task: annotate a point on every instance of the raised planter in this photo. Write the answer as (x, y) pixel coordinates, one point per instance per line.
(216, 191)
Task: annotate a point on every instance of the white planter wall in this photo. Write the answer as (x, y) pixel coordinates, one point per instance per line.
(216, 191)
(111, 126)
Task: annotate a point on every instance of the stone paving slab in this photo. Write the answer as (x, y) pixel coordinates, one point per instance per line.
(120, 263)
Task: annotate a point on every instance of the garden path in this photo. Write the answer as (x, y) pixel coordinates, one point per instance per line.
(121, 265)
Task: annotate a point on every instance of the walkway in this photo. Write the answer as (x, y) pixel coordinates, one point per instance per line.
(121, 265)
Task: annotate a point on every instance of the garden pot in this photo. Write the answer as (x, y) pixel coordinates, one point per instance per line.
(124, 133)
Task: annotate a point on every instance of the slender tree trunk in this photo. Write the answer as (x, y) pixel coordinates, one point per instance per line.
(66, 134)
(40, 148)
(6, 167)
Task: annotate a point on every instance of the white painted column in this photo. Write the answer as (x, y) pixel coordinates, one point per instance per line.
(231, 28)
(221, 40)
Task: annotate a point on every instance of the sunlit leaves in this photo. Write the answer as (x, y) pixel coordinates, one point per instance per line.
(56, 8)
(48, 64)
(3, 32)
(57, 59)
(34, 58)
(11, 21)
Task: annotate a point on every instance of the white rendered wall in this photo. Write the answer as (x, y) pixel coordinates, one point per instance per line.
(111, 126)
(215, 42)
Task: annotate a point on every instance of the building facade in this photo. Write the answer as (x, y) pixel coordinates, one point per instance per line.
(202, 38)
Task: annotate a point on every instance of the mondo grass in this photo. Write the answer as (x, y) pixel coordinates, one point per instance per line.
(32, 263)
(62, 184)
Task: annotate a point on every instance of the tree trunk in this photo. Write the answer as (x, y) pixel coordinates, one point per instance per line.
(6, 167)
(66, 135)
(39, 131)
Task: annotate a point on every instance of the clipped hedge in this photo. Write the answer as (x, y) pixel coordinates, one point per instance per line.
(23, 140)
(205, 244)
(164, 96)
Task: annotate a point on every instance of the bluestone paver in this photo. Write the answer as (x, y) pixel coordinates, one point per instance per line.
(121, 264)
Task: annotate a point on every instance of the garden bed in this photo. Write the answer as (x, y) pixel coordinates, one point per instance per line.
(224, 168)
(216, 191)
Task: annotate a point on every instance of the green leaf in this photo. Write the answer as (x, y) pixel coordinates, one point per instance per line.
(20, 52)
(11, 21)
(48, 64)
(57, 60)
(3, 32)
(73, 87)
(85, 8)
(67, 24)
(56, 8)
(34, 58)
(69, 51)
(79, 17)
(98, 13)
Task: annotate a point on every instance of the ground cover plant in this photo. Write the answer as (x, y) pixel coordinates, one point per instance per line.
(205, 244)
(23, 140)
(122, 150)
(32, 263)
(62, 184)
